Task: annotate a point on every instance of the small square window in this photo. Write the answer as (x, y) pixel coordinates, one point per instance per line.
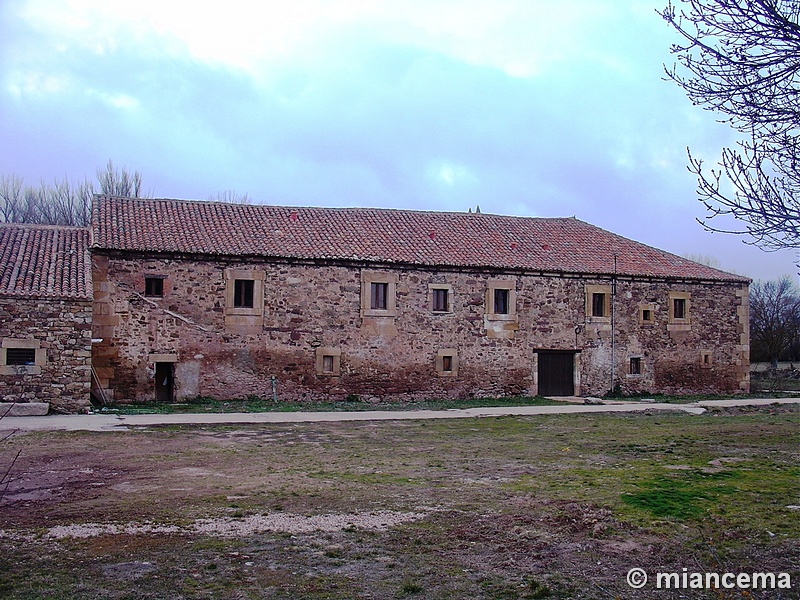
(447, 362)
(705, 359)
(154, 286)
(328, 361)
(243, 293)
(20, 356)
(441, 301)
(647, 315)
(378, 295)
(636, 366)
(501, 304)
(598, 305)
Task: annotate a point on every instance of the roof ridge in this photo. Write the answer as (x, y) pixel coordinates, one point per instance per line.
(291, 207)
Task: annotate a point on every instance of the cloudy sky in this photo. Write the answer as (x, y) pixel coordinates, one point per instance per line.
(524, 107)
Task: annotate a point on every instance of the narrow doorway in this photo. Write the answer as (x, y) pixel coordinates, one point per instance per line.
(164, 381)
(556, 373)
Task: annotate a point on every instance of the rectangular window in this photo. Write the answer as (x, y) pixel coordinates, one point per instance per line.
(598, 305)
(154, 286)
(679, 308)
(447, 364)
(328, 361)
(501, 303)
(636, 366)
(440, 300)
(243, 293)
(647, 315)
(20, 356)
(378, 295)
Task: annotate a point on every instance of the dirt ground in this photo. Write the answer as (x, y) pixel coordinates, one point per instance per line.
(559, 506)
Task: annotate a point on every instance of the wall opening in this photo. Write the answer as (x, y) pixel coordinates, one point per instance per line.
(556, 373)
(165, 377)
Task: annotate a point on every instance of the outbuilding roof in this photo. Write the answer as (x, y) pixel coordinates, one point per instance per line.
(45, 261)
(385, 236)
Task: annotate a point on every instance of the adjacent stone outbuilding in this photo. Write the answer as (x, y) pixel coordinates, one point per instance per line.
(45, 317)
(201, 298)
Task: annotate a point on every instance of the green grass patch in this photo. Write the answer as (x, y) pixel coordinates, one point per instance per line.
(251, 404)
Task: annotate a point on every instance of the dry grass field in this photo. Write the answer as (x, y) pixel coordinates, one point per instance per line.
(555, 506)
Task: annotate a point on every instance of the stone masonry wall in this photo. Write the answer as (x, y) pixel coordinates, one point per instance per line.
(310, 309)
(60, 332)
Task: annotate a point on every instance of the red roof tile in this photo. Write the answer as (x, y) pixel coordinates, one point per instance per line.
(45, 261)
(564, 245)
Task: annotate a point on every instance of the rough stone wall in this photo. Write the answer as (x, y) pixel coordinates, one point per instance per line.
(61, 330)
(309, 308)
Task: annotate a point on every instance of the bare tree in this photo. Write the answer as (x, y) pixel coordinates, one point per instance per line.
(63, 202)
(119, 182)
(774, 319)
(11, 196)
(741, 58)
(231, 197)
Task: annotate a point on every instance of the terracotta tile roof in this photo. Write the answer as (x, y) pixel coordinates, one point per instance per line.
(564, 245)
(45, 261)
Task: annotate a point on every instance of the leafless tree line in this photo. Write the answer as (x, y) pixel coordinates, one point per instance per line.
(63, 202)
(774, 321)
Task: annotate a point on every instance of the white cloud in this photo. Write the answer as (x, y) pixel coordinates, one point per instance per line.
(519, 37)
(33, 83)
(451, 173)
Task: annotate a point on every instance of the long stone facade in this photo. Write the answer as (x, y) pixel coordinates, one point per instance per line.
(177, 326)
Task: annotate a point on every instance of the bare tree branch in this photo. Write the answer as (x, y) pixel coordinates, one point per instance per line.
(741, 58)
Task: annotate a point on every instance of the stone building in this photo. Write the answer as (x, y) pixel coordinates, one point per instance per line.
(45, 317)
(223, 300)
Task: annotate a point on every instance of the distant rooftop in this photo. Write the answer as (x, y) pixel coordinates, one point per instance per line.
(45, 261)
(385, 236)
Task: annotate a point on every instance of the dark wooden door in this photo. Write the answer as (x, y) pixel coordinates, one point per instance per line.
(556, 374)
(164, 375)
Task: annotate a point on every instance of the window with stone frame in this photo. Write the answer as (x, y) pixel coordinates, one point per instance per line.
(440, 297)
(501, 300)
(378, 294)
(154, 286)
(328, 361)
(598, 303)
(679, 307)
(447, 362)
(21, 356)
(244, 292)
(244, 300)
(646, 314)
